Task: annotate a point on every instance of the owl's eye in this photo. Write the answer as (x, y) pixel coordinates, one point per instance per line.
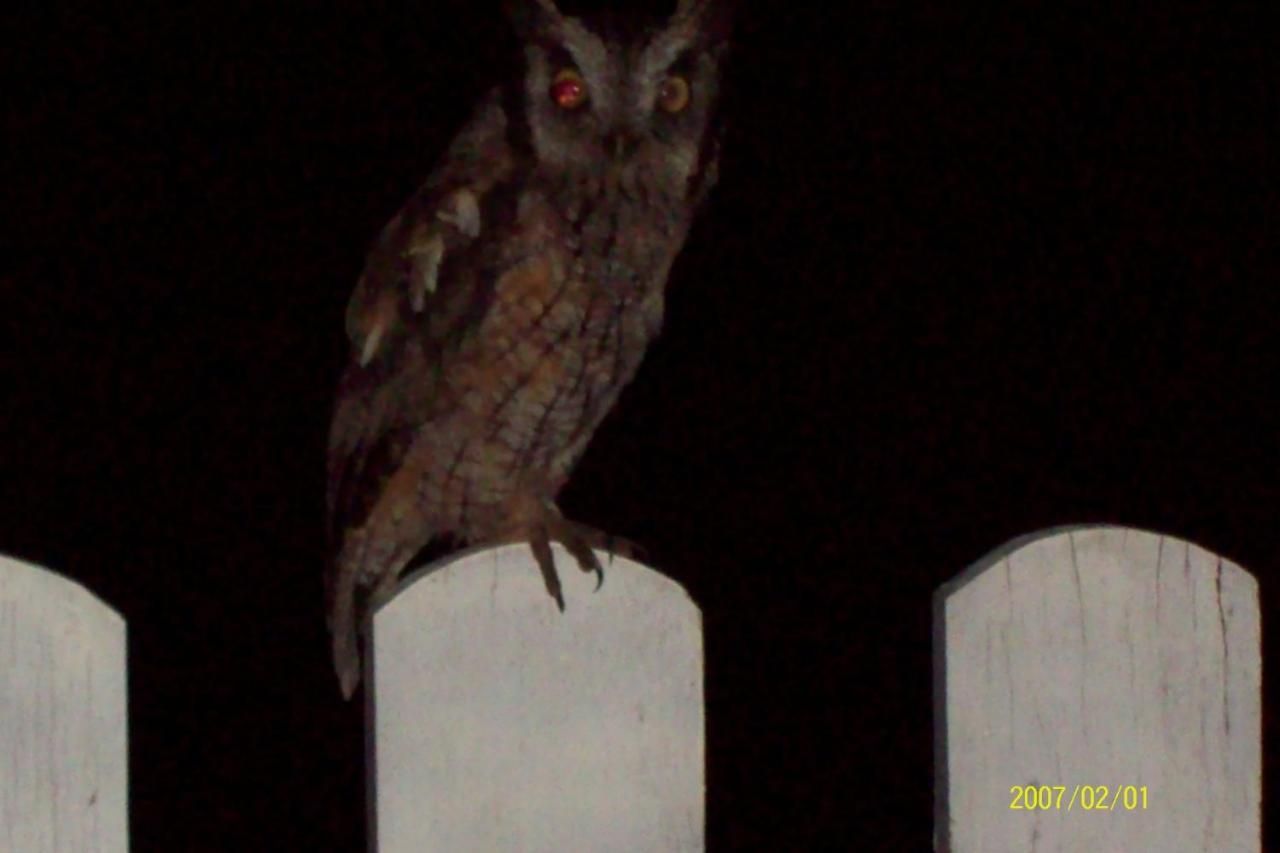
(674, 94)
(568, 89)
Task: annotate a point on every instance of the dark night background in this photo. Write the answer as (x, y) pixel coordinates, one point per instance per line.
(967, 274)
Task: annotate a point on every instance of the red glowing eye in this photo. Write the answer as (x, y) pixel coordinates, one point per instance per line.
(568, 90)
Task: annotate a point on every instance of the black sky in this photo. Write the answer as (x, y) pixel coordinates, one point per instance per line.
(968, 274)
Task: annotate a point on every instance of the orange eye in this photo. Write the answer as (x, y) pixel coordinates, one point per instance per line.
(568, 89)
(674, 94)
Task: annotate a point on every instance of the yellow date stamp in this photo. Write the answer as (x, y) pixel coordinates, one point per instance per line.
(1089, 798)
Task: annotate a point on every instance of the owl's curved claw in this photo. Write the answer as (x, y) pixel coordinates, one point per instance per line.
(582, 541)
(546, 562)
(582, 553)
(614, 546)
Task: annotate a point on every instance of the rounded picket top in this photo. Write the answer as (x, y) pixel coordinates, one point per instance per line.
(1098, 688)
(63, 783)
(500, 722)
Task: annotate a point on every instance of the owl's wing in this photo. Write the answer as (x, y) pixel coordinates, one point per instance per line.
(402, 272)
(414, 296)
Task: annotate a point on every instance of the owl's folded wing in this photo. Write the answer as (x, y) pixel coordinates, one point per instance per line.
(402, 273)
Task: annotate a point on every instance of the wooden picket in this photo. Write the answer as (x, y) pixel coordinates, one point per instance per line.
(500, 723)
(1098, 689)
(63, 758)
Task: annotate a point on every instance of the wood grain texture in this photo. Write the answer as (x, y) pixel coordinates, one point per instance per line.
(502, 724)
(63, 757)
(1100, 656)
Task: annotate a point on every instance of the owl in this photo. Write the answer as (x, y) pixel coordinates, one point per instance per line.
(501, 312)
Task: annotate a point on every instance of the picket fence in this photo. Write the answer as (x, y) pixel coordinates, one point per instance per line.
(1096, 689)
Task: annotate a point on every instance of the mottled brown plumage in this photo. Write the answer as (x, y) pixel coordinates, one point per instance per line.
(504, 308)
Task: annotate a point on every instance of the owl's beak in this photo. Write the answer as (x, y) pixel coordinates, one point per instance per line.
(619, 173)
(622, 144)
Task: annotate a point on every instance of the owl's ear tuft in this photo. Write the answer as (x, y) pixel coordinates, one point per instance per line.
(533, 19)
(711, 20)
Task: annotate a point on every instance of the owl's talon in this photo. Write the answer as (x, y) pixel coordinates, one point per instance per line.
(546, 563)
(570, 534)
(614, 546)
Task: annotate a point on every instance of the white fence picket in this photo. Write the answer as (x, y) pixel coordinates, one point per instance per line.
(1115, 676)
(1098, 688)
(63, 757)
(500, 723)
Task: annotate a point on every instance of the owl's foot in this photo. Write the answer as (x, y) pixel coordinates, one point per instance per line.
(614, 546)
(579, 540)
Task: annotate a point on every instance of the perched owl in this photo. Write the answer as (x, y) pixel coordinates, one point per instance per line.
(501, 312)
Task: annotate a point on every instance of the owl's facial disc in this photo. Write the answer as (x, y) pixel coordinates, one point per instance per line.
(622, 101)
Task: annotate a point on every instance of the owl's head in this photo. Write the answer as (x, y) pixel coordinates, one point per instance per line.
(620, 102)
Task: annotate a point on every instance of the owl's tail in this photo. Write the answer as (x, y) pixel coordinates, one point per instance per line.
(342, 624)
(365, 575)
